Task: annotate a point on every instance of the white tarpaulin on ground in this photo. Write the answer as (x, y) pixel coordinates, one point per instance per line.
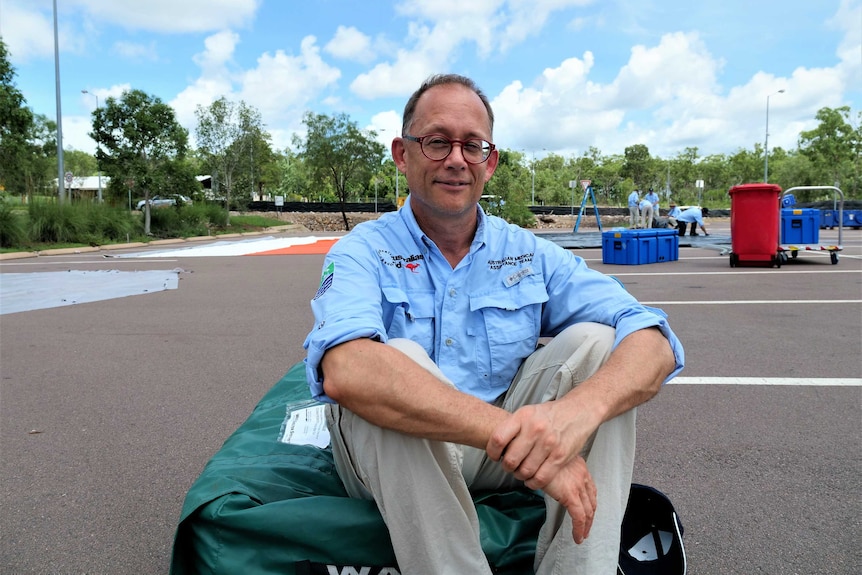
(227, 248)
(40, 290)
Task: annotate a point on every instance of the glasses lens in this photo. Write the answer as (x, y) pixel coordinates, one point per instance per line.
(436, 147)
(476, 151)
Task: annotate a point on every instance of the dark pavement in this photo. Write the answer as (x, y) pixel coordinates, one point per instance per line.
(109, 410)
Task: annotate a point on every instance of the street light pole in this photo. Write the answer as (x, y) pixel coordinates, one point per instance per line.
(98, 162)
(533, 181)
(60, 172)
(396, 165)
(766, 139)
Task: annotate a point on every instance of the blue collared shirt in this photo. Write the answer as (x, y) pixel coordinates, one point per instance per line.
(479, 321)
(691, 215)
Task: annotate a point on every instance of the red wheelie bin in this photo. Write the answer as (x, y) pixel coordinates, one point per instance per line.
(754, 217)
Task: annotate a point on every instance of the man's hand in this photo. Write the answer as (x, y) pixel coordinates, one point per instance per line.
(573, 488)
(540, 445)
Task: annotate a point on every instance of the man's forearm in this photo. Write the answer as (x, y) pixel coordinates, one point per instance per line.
(385, 387)
(632, 375)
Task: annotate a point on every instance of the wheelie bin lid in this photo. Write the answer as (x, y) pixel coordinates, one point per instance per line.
(755, 188)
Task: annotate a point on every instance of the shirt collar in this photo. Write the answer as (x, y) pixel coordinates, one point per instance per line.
(406, 213)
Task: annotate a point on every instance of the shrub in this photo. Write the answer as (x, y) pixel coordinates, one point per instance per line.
(13, 231)
(216, 215)
(106, 224)
(56, 223)
(179, 221)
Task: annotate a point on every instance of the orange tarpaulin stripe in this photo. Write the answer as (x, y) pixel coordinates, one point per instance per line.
(318, 247)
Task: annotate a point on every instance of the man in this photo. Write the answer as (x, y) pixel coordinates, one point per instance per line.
(652, 198)
(693, 216)
(646, 213)
(634, 209)
(672, 213)
(427, 323)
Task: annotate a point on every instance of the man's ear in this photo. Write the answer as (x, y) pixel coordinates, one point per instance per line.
(398, 154)
(491, 165)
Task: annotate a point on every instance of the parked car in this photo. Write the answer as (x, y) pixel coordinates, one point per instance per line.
(161, 201)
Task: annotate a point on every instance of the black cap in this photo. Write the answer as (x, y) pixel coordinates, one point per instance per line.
(651, 535)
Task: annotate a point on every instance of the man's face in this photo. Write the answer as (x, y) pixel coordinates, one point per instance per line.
(451, 187)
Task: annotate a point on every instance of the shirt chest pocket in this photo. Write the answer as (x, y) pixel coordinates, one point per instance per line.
(411, 318)
(511, 322)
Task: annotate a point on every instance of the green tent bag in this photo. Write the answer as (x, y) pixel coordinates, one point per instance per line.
(265, 507)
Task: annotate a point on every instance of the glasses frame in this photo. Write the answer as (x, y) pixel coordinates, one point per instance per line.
(420, 139)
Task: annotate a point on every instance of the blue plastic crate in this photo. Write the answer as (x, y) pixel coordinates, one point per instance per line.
(668, 245)
(828, 218)
(620, 247)
(800, 226)
(636, 247)
(852, 218)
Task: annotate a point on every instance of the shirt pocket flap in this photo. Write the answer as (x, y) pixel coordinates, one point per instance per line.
(421, 305)
(529, 291)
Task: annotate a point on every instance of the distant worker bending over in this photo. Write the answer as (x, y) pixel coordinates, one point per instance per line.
(694, 217)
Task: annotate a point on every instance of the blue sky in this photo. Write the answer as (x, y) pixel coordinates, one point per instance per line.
(563, 75)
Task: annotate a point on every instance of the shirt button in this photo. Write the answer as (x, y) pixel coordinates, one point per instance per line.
(448, 341)
(452, 292)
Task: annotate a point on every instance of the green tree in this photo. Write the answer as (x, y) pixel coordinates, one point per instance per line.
(141, 141)
(834, 148)
(637, 164)
(511, 187)
(16, 126)
(80, 163)
(40, 161)
(257, 171)
(337, 152)
(225, 134)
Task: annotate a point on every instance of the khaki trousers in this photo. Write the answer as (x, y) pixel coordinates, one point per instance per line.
(423, 488)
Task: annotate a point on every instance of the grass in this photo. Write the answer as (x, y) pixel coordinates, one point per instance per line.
(46, 225)
(254, 223)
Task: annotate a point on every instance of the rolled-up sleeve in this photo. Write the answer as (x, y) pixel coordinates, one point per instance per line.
(579, 294)
(346, 307)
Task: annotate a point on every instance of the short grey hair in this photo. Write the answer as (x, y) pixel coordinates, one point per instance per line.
(442, 80)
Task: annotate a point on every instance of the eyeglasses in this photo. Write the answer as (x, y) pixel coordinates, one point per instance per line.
(438, 147)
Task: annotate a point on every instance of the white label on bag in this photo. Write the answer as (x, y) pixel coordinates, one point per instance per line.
(306, 427)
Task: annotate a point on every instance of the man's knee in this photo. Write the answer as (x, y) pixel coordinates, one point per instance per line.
(408, 347)
(592, 334)
(418, 354)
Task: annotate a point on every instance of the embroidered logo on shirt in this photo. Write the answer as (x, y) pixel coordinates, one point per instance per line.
(510, 261)
(325, 280)
(389, 259)
(412, 267)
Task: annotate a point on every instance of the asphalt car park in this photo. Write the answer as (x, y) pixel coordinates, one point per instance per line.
(109, 410)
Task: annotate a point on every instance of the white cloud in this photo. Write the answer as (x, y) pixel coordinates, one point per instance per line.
(527, 18)
(283, 86)
(849, 51)
(350, 44)
(27, 28)
(214, 81)
(387, 125)
(439, 31)
(171, 16)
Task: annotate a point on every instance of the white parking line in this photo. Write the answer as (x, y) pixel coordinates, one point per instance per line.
(804, 381)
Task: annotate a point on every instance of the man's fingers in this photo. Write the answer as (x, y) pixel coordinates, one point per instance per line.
(501, 437)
